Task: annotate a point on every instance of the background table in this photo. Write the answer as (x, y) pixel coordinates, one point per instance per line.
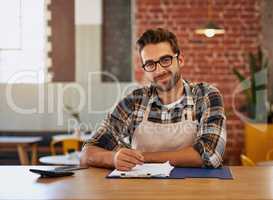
(249, 183)
(265, 163)
(22, 144)
(82, 137)
(71, 159)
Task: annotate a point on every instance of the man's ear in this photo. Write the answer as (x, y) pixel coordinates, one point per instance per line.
(181, 60)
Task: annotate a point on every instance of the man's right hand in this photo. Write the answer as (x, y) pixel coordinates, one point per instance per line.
(125, 159)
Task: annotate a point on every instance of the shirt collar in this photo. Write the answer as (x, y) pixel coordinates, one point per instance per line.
(186, 101)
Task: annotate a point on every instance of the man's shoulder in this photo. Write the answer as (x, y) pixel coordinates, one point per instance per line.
(138, 96)
(142, 91)
(202, 89)
(206, 94)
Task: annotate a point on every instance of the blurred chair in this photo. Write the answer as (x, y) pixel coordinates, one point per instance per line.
(67, 145)
(246, 161)
(258, 141)
(269, 155)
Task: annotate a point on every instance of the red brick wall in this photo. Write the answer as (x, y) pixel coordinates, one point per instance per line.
(208, 59)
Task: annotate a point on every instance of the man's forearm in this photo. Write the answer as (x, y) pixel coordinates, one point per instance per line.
(99, 157)
(186, 157)
(96, 156)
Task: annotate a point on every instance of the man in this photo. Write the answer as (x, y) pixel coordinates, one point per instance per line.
(171, 120)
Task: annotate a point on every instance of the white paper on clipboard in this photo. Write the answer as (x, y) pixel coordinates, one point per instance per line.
(145, 170)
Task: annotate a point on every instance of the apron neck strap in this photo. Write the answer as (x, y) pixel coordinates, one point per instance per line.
(147, 110)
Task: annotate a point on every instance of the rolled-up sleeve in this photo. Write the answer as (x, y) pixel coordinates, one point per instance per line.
(103, 137)
(211, 136)
(114, 126)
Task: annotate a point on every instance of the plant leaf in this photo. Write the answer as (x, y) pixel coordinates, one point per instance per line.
(265, 64)
(253, 69)
(238, 74)
(244, 84)
(259, 58)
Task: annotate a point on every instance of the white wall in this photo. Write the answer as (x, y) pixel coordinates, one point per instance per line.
(83, 10)
(88, 54)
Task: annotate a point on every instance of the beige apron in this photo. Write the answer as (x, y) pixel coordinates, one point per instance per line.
(155, 137)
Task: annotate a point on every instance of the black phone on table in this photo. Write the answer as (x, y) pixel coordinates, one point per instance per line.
(51, 173)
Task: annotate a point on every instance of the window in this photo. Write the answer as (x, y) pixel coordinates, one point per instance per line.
(22, 41)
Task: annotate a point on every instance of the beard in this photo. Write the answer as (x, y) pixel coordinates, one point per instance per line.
(169, 84)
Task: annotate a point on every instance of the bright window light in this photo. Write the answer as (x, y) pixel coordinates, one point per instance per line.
(22, 41)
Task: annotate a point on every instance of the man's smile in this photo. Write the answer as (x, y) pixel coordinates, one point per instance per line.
(162, 77)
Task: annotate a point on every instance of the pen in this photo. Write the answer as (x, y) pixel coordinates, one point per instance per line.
(128, 146)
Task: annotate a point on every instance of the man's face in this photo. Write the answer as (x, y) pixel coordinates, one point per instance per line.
(164, 78)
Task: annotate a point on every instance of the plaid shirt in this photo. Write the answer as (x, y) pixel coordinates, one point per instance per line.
(118, 128)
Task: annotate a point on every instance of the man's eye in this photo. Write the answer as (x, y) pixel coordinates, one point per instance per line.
(149, 65)
(165, 59)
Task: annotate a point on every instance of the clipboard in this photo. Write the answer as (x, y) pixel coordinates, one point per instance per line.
(220, 173)
(188, 172)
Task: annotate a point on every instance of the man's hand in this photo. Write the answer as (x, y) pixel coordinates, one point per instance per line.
(125, 159)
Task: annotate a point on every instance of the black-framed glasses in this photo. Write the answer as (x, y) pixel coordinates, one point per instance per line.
(164, 61)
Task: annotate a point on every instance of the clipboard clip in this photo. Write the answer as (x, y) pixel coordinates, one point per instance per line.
(124, 175)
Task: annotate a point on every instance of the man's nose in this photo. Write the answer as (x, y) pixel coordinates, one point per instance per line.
(158, 68)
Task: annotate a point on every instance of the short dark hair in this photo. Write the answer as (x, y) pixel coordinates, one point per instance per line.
(154, 36)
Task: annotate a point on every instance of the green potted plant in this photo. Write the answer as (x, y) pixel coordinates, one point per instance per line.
(258, 110)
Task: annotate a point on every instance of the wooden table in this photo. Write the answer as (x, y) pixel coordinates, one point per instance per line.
(22, 143)
(249, 183)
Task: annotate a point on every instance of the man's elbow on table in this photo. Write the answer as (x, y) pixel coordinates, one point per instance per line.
(213, 161)
(95, 156)
(84, 157)
(211, 155)
(89, 155)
